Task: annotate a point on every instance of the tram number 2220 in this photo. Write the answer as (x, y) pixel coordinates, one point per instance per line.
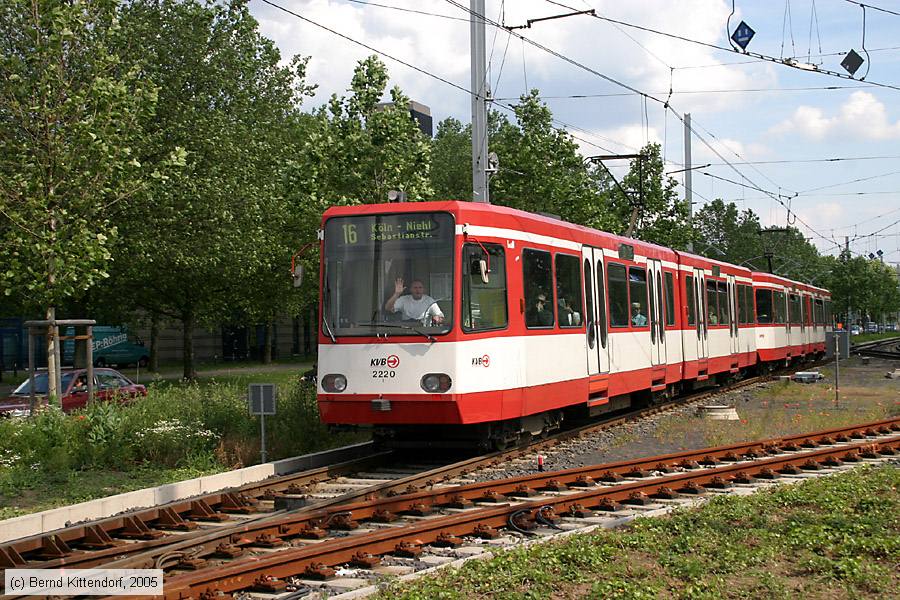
(383, 374)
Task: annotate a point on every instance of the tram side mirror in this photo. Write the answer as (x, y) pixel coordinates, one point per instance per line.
(479, 266)
(298, 273)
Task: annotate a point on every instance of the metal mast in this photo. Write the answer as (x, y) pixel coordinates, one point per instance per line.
(688, 194)
(479, 105)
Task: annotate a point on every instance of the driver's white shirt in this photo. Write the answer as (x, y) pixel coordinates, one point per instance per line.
(414, 310)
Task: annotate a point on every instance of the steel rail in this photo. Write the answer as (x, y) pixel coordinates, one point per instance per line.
(154, 530)
(160, 530)
(313, 523)
(242, 574)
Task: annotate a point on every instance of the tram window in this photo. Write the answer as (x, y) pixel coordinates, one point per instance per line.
(751, 313)
(670, 300)
(637, 291)
(484, 304)
(764, 307)
(691, 304)
(538, 288)
(794, 309)
(780, 308)
(828, 312)
(747, 292)
(568, 291)
(618, 295)
(712, 314)
(819, 312)
(601, 303)
(724, 309)
(739, 314)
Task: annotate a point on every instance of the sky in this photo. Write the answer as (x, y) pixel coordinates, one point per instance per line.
(777, 126)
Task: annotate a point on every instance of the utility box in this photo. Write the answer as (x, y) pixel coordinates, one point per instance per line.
(843, 340)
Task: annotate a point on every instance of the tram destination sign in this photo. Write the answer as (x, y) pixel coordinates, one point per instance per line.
(350, 232)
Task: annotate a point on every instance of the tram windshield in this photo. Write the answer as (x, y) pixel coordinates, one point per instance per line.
(388, 275)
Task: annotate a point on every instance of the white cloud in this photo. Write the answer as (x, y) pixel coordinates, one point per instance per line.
(861, 117)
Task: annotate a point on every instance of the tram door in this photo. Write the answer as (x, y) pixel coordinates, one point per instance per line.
(702, 332)
(595, 310)
(657, 313)
(733, 330)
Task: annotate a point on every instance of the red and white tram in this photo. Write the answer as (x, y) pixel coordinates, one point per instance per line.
(458, 321)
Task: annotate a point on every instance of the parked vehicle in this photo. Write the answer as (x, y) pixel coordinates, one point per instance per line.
(855, 330)
(108, 385)
(111, 346)
(871, 327)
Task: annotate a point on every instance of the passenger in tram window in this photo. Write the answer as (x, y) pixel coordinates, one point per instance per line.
(540, 314)
(415, 306)
(713, 318)
(565, 313)
(638, 319)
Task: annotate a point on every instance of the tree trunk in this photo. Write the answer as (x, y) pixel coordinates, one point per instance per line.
(52, 366)
(267, 343)
(187, 320)
(154, 343)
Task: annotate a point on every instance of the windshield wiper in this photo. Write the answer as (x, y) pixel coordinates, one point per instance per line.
(430, 337)
(328, 329)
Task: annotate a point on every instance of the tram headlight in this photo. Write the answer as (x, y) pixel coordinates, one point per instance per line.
(335, 383)
(436, 383)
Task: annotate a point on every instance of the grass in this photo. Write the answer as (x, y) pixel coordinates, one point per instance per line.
(179, 431)
(43, 491)
(786, 407)
(871, 337)
(830, 537)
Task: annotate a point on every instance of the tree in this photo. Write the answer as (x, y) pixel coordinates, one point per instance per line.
(451, 160)
(358, 149)
(661, 217)
(541, 169)
(194, 244)
(71, 118)
(353, 150)
(726, 234)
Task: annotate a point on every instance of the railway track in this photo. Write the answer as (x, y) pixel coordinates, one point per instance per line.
(148, 535)
(430, 527)
(887, 349)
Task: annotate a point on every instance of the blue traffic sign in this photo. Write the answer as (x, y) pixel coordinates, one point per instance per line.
(742, 35)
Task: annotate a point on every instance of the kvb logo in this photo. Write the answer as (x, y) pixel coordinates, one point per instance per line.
(391, 362)
(481, 361)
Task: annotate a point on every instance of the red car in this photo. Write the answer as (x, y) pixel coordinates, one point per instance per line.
(108, 384)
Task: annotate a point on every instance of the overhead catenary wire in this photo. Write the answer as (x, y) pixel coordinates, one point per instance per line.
(637, 91)
(524, 41)
(761, 57)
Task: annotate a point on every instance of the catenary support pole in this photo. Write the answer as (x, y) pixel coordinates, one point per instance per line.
(480, 192)
(688, 178)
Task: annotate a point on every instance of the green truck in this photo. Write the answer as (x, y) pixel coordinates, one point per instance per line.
(111, 346)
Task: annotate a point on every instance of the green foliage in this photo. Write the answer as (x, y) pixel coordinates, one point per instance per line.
(198, 243)
(71, 122)
(451, 161)
(868, 287)
(176, 427)
(830, 537)
(541, 169)
(661, 216)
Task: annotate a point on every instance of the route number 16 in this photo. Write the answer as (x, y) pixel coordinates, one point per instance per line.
(350, 234)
